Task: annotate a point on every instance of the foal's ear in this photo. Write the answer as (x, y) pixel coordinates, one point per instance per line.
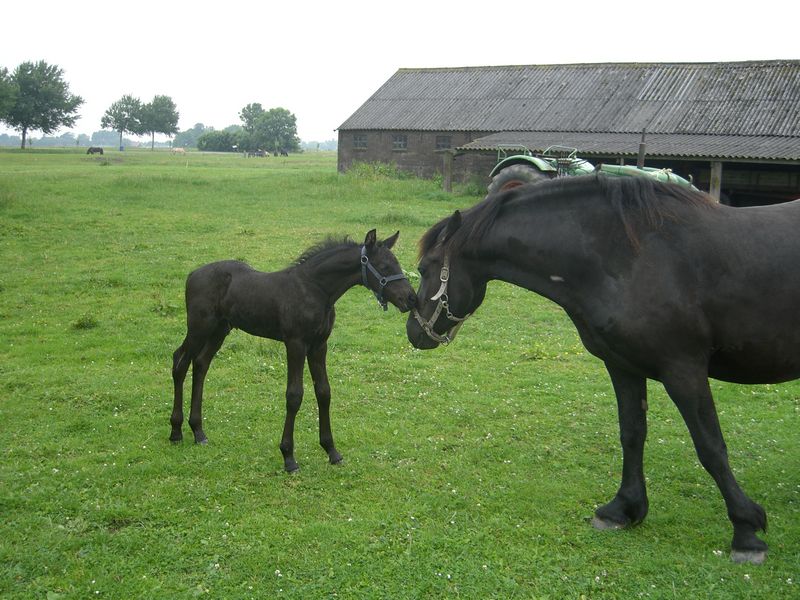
(452, 226)
(390, 241)
(371, 238)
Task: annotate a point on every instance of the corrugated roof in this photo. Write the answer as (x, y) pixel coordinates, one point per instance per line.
(658, 145)
(753, 99)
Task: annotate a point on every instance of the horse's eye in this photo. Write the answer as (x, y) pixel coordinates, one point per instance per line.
(421, 270)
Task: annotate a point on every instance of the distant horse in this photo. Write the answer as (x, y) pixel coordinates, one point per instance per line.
(94, 150)
(180, 151)
(284, 152)
(295, 306)
(661, 283)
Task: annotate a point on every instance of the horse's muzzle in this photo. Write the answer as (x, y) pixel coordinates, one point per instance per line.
(417, 336)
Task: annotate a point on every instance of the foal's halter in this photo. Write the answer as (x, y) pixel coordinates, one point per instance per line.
(441, 296)
(382, 281)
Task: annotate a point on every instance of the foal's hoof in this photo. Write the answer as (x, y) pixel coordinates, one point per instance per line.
(176, 439)
(755, 557)
(336, 460)
(605, 524)
(202, 441)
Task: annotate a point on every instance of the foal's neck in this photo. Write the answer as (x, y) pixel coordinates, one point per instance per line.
(335, 272)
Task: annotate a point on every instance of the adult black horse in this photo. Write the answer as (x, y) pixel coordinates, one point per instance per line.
(295, 306)
(661, 283)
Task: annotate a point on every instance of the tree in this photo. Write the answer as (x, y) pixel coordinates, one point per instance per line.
(7, 93)
(124, 115)
(159, 116)
(276, 130)
(40, 99)
(249, 115)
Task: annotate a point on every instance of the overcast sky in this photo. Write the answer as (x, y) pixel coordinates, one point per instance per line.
(322, 59)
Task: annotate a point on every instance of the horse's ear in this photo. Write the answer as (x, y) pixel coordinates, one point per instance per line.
(452, 225)
(371, 238)
(390, 241)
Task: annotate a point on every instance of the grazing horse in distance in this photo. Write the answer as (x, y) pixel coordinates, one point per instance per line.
(94, 150)
(180, 151)
(294, 306)
(661, 283)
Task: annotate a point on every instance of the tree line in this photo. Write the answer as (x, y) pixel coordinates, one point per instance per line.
(35, 97)
(273, 130)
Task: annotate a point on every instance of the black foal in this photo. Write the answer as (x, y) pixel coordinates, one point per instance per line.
(295, 306)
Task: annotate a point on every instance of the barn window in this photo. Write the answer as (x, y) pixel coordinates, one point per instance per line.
(444, 142)
(400, 142)
(359, 141)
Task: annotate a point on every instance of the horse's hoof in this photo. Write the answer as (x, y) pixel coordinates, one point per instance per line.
(605, 524)
(202, 441)
(292, 470)
(176, 438)
(337, 460)
(755, 557)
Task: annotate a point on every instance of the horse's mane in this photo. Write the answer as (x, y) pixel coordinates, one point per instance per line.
(326, 247)
(639, 202)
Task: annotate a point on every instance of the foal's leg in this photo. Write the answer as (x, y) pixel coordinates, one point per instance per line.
(629, 506)
(322, 390)
(181, 359)
(690, 391)
(200, 365)
(295, 359)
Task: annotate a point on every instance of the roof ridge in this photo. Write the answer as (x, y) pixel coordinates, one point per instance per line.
(734, 63)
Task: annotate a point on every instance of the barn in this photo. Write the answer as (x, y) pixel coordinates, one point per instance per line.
(734, 127)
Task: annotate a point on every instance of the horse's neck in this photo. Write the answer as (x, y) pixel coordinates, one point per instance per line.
(335, 274)
(542, 252)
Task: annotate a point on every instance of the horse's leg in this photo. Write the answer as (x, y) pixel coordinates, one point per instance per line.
(295, 359)
(200, 365)
(629, 506)
(322, 390)
(180, 365)
(688, 387)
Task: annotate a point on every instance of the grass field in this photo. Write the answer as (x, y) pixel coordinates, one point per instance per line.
(470, 471)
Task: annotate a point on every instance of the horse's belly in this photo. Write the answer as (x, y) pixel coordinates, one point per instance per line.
(754, 365)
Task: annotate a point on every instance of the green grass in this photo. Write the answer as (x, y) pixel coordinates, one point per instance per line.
(470, 471)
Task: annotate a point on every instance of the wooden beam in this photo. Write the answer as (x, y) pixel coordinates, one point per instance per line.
(447, 171)
(715, 185)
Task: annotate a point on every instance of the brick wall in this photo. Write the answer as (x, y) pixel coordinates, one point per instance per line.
(418, 152)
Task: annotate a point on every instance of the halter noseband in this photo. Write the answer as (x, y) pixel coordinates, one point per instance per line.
(441, 296)
(382, 281)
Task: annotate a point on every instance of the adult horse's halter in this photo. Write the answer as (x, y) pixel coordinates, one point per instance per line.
(441, 296)
(382, 281)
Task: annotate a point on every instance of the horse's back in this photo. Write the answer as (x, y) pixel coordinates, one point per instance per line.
(216, 275)
(722, 282)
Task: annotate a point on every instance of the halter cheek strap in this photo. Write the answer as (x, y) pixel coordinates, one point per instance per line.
(443, 305)
(382, 281)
